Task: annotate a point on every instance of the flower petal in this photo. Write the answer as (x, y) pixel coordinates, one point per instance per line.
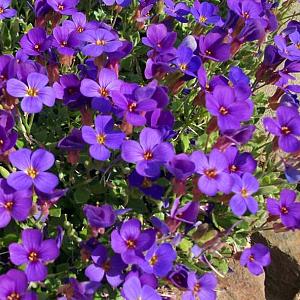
(42, 160)
(45, 182)
(19, 180)
(36, 271)
(21, 159)
(16, 88)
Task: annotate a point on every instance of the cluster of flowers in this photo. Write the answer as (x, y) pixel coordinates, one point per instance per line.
(137, 255)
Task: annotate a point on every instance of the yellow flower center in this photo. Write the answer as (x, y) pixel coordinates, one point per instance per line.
(233, 168)
(100, 42)
(197, 287)
(1, 10)
(60, 7)
(285, 130)
(33, 256)
(183, 67)
(130, 244)
(208, 52)
(32, 172)
(251, 258)
(14, 295)
(148, 155)
(223, 111)
(132, 107)
(246, 15)
(284, 210)
(146, 183)
(101, 139)
(103, 92)
(202, 19)
(9, 205)
(37, 47)
(244, 193)
(80, 29)
(153, 260)
(32, 92)
(210, 173)
(63, 43)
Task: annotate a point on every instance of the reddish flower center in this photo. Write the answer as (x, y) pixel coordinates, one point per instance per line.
(80, 29)
(285, 130)
(1, 10)
(106, 266)
(132, 107)
(1, 143)
(244, 193)
(246, 15)
(130, 244)
(101, 139)
(197, 287)
(100, 42)
(202, 19)
(37, 47)
(60, 7)
(153, 260)
(211, 173)
(2, 77)
(9, 205)
(146, 183)
(63, 43)
(33, 256)
(103, 92)
(223, 111)
(183, 67)
(208, 52)
(148, 155)
(251, 258)
(32, 92)
(284, 210)
(14, 295)
(32, 172)
(233, 168)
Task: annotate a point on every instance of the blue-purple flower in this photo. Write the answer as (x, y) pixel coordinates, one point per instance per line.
(205, 13)
(5, 11)
(64, 7)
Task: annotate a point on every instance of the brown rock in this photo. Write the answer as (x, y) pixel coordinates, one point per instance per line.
(283, 275)
(240, 284)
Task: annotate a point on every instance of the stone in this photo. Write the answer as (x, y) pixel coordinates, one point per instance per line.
(240, 284)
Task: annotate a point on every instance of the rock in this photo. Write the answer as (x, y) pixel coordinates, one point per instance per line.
(240, 284)
(283, 275)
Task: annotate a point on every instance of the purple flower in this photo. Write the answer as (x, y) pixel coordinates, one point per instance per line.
(181, 166)
(186, 61)
(213, 171)
(247, 9)
(158, 38)
(65, 40)
(240, 163)
(64, 7)
(286, 208)
(34, 94)
(146, 185)
(148, 155)
(102, 137)
(178, 276)
(14, 285)
(99, 41)
(290, 52)
(292, 174)
(130, 241)
(122, 3)
(100, 216)
(205, 13)
(229, 112)
(35, 42)
(103, 264)
(201, 287)
(79, 23)
(33, 166)
(244, 187)
(178, 11)
(159, 260)
(187, 213)
(8, 139)
(5, 12)
(34, 252)
(211, 46)
(14, 204)
(132, 290)
(240, 83)
(286, 126)
(72, 142)
(255, 258)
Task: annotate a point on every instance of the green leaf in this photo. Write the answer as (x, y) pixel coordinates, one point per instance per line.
(4, 173)
(55, 212)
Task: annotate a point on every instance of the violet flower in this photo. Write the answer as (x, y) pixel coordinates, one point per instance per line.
(111, 267)
(256, 258)
(286, 208)
(102, 138)
(8, 139)
(5, 11)
(201, 287)
(34, 253)
(79, 23)
(247, 9)
(64, 7)
(181, 166)
(205, 13)
(213, 171)
(177, 11)
(132, 290)
(130, 241)
(35, 42)
(65, 41)
(34, 94)
(286, 126)
(179, 276)
(14, 205)
(148, 155)
(14, 286)
(100, 216)
(229, 112)
(287, 51)
(159, 260)
(33, 166)
(244, 187)
(99, 41)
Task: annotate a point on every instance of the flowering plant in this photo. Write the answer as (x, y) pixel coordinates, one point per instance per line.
(139, 150)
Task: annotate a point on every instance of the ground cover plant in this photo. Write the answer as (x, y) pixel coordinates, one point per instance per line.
(139, 149)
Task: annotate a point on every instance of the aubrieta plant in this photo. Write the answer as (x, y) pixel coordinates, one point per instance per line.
(139, 148)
